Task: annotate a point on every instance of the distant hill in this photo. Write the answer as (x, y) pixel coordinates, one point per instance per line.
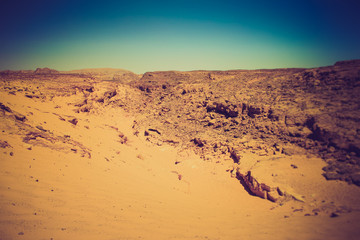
(99, 70)
(45, 71)
(112, 74)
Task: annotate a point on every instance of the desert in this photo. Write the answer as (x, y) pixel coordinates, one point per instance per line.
(238, 154)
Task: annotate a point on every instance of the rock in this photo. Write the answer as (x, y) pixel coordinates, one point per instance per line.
(212, 122)
(288, 151)
(41, 128)
(4, 144)
(294, 166)
(273, 196)
(261, 190)
(235, 155)
(198, 142)
(332, 215)
(110, 94)
(80, 103)
(28, 146)
(305, 132)
(226, 109)
(329, 168)
(233, 173)
(344, 168)
(20, 117)
(45, 71)
(277, 147)
(154, 130)
(253, 111)
(5, 108)
(289, 120)
(331, 149)
(331, 175)
(295, 196)
(74, 121)
(275, 115)
(355, 178)
(265, 187)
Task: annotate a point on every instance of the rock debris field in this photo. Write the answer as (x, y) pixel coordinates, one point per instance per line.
(240, 154)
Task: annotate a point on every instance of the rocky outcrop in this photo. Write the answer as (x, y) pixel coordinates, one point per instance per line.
(315, 109)
(259, 189)
(225, 108)
(45, 71)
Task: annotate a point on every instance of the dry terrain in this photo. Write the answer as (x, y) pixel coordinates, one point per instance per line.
(241, 154)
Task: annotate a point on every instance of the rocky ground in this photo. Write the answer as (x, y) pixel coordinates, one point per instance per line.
(290, 136)
(267, 112)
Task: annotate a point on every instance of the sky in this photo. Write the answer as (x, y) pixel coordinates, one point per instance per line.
(142, 36)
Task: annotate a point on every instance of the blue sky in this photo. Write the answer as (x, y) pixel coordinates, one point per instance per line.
(177, 35)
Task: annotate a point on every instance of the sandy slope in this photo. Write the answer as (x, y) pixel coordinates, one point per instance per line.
(96, 179)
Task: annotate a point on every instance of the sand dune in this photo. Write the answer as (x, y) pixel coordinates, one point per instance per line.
(83, 158)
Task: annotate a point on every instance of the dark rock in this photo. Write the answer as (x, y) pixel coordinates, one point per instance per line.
(198, 142)
(294, 166)
(332, 215)
(329, 168)
(253, 111)
(226, 109)
(356, 178)
(110, 94)
(331, 175)
(90, 89)
(41, 128)
(4, 144)
(20, 117)
(235, 155)
(5, 108)
(74, 121)
(288, 151)
(345, 168)
(31, 96)
(274, 115)
(154, 130)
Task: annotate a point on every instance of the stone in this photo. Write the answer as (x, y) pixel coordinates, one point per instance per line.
(288, 151)
(356, 178)
(41, 128)
(234, 154)
(272, 196)
(198, 142)
(74, 121)
(20, 117)
(5, 108)
(331, 175)
(4, 144)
